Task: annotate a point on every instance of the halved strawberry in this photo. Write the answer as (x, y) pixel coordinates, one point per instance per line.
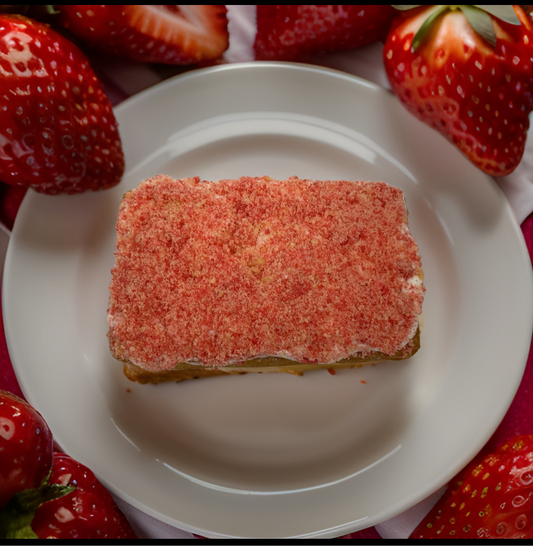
(184, 34)
(291, 32)
(473, 86)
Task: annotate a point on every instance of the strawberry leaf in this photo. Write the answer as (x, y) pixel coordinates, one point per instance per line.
(479, 18)
(426, 26)
(481, 22)
(505, 13)
(16, 516)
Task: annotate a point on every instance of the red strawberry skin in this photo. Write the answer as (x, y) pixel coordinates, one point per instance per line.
(89, 512)
(26, 446)
(58, 133)
(491, 498)
(292, 32)
(10, 200)
(477, 96)
(179, 35)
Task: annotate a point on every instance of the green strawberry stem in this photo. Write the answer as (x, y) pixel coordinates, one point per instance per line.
(479, 18)
(426, 26)
(16, 516)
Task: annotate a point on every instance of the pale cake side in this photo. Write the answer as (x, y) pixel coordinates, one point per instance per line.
(256, 274)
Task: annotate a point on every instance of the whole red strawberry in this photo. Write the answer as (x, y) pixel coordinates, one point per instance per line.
(292, 32)
(88, 512)
(154, 34)
(58, 133)
(491, 498)
(473, 86)
(26, 447)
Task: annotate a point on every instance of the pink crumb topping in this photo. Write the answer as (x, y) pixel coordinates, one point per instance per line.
(220, 272)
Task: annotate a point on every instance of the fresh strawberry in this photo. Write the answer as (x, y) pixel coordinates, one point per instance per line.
(58, 133)
(476, 93)
(88, 512)
(491, 498)
(153, 34)
(292, 32)
(70, 504)
(26, 447)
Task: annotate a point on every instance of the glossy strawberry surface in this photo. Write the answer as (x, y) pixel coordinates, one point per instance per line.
(491, 498)
(58, 133)
(88, 512)
(477, 95)
(291, 32)
(26, 446)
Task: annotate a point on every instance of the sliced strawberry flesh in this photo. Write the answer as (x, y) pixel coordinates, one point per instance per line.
(151, 33)
(188, 27)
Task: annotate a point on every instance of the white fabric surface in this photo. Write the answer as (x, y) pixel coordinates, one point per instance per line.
(148, 527)
(366, 63)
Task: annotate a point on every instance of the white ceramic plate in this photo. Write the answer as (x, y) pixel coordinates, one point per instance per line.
(276, 455)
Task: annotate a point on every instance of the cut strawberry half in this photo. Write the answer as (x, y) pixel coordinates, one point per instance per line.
(155, 34)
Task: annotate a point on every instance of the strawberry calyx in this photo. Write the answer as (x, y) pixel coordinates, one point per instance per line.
(16, 516)
(479, 18)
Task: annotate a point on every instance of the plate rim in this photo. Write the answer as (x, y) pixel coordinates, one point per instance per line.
(199, 73)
